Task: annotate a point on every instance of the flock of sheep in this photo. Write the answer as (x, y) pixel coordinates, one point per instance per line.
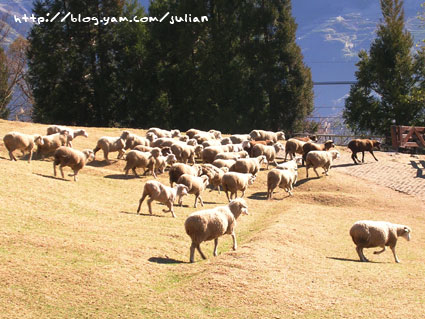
(198, 159)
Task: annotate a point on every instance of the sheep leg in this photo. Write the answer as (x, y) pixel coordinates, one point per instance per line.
(198, 247)
(12, 157)
(120, 154)
(306, 171)
(30, 156)
(170, 209)
(105, 155)
(227, 195)
(134, 171)
(243, 193)
(371, 152)
(316, 171)
(215, 246)
(150, 200)
(360, 253)
(61, 169)
(395, 255)
(235, 244)
(141, 201)
(354, 158)
(362, 156)
(54, 168)
(75, 175)
(380, 251)
(192, 252)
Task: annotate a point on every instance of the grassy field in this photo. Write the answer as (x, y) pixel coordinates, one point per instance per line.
(79, 250)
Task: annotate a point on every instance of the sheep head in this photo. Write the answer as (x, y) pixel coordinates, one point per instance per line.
(251, 179)
(404, 231)
(278, 147)
(89, 155)
(175, 133)
(238, 207)
(376, 144)
(329, 144)
(280, 135)
(171, 159)
(181, 190)
(38, 140)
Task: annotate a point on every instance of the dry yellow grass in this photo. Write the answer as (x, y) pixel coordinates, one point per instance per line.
(78, 250)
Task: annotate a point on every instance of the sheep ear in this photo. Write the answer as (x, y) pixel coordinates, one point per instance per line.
(406, 230)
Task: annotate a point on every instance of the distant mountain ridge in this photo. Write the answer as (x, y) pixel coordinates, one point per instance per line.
(18, 8)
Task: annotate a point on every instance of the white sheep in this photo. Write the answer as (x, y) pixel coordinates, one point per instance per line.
(233, 182)
(112, 144)
(163, 133)
(52, 142)
(322, 159)
(76, 160)
(214, 174)
(163, 194)
(183, 152)
(248, 165)
(369, 234)
(23, 142)
(261, 135)
(151, 137)
(209, 153)
(231, 155)
(284, 178)
(162, 162)
(192, 142)
(292, 164)
(239, 138)
(224, 163)
(137, 159)
(134, 140)
(196, 185)
(71, 132)
(269, 151)
(210, 224)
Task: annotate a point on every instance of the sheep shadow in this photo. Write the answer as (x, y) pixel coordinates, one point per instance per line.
(53, 177)
(167, 260)
(103, 163)
(420, 170)
(355, 260)
(121, 176)
(343, 165)
(258, 196)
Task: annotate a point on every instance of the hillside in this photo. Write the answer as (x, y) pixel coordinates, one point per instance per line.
(78, 250)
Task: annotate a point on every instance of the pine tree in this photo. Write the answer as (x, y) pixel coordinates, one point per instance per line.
(388, 78)
(5, 93)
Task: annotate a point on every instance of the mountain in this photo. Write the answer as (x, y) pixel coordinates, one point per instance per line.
(18, 8)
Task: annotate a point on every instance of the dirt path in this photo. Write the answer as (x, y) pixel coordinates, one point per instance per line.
(401, 172)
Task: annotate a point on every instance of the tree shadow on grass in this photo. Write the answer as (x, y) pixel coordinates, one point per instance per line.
(166, 260)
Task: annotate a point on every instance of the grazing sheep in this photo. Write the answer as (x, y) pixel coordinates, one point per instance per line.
(226, 141)
(362, 145)
(67, 156)
(248, 165)
(224, 163)
(210, 224)
(178, 169)
(261, 135)
(196, 185)
(164, 141)
(233, 182)
(112, 144)
(231, 155)
(163, 133)
(137, 159)
(23, 142)
(216, 134)
(369, 234)
(284, 178)
(269, 151)
(192, 132)
(52, 142)
(162, 162)
(135, 140)
(294, 146)
(163, 194)
(307, 147)
(322, 159)
(71, 133)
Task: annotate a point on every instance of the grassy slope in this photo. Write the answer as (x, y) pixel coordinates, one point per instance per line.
(79, 250)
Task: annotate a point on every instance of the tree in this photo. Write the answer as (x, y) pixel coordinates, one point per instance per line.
(389, 87)
(5, 92)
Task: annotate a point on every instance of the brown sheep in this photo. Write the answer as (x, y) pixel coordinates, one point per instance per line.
(362, 145)
(178, 169)
(307, 147)
(67, 156)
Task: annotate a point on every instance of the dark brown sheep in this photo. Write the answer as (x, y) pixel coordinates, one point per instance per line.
(307, 147)
(362, 145)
